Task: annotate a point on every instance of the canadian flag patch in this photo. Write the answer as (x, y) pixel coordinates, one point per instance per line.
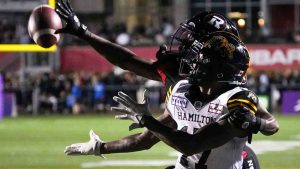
(215, 108)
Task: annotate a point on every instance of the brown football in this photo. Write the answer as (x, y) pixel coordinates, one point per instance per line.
(42, 24)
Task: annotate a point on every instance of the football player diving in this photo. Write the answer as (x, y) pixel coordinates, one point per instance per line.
(212, 113)
(164, 69)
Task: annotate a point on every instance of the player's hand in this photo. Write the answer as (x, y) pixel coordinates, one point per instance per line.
(244, 120)
(163, 55)
(132, 110)
(66, 13)
(91, 147)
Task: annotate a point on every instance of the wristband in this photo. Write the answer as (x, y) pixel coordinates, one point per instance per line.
(84, 32)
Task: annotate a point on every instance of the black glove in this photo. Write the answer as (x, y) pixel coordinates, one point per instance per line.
(161, 53)
(73, 25)
(164, 55)
(244, 120)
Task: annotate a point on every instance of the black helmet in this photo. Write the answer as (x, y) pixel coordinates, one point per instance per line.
(208, 22)
(202, 24)
(217, 57)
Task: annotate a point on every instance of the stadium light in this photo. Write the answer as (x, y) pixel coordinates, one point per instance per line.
(28, 47)
(261, 22)
(241, 23)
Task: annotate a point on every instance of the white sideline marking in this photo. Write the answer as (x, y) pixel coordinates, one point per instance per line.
(174, 154)
(259, 147)
(297, 137)
(128, 163)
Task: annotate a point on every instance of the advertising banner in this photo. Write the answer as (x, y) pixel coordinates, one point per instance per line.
(274, 57)
(290, 102)
(263, 57)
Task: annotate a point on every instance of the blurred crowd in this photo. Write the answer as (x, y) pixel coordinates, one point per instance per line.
(157, 34)
(92, 92)
(78, 92)
(141, 35)
(12, 33)
(261, 81)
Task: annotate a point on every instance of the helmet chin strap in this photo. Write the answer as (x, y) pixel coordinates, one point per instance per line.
(215, 88)
(205, 90)
(210, 88)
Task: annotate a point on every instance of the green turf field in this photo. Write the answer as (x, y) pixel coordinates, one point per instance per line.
(38, 142)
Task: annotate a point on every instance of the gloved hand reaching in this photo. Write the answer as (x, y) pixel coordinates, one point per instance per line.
(91, 147)
(73, 25)
(132, 110)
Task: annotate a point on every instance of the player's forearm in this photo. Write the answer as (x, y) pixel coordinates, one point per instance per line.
(137, 142)
(208, 137)
(173, 138)
(122, 57)
(270, 127)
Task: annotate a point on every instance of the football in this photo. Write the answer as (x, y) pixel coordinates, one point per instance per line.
(42, 24)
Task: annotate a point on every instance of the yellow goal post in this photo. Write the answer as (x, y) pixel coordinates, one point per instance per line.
(28, 47)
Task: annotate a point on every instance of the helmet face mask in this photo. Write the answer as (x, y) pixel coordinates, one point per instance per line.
(185, 32)
(209, 50)
(184, 42)
(225, 59)
(218, 57)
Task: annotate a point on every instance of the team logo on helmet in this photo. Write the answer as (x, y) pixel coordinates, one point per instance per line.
(215, 22)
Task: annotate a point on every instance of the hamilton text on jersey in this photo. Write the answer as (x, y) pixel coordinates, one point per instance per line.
(181, 115)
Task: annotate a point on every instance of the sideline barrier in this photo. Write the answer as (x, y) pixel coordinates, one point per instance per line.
(1, 98)
(290, 102)
(10, 105)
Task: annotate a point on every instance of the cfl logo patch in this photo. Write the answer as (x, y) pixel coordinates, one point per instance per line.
(179, 101)
(215, 108)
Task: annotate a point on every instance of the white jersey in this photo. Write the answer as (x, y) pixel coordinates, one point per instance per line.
(191, 117)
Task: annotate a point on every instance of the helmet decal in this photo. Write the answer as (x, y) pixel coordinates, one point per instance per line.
(216, 20)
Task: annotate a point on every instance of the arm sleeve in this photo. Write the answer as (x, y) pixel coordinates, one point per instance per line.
(243, 99)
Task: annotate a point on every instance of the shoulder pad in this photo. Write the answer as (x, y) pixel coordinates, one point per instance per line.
(246, 99)
(179, 87)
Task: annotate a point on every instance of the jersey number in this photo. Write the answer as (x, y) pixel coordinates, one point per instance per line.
(205, 154)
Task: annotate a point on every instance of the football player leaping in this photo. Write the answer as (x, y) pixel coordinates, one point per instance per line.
(164, 69)
(212, 113)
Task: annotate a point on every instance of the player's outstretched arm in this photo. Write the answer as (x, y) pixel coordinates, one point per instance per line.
(136, 142)
(240, 122)
(208, 137)
(97, 147)
(114, 53)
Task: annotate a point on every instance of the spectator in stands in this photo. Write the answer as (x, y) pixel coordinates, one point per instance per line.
(263, 86)
(123, 38)
(167, 27)
(98, 93)
(74, 98)
(130, 84)
(295, 78)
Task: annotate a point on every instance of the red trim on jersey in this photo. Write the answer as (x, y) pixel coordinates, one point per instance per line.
(244, 154)
(162, 75)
